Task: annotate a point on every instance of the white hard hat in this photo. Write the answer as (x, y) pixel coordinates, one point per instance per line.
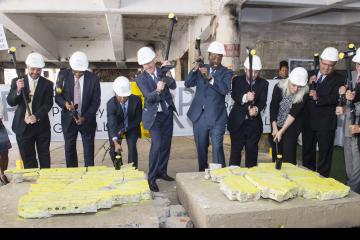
(256, 63)
(299, 76)
(356, 58)
(145, 55)
(330, 54)
(121, 86)
(217, 48)
(79, 61)
(35, 60)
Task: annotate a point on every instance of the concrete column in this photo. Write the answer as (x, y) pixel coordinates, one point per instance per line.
(227, 31)
(199, 27)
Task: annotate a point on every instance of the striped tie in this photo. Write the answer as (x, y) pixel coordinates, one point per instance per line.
(77, 95)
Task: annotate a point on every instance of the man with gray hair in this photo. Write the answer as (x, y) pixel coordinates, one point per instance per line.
(320, 118)
(157, 114)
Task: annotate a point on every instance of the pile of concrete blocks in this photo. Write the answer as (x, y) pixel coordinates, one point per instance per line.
(311, 184)
(273, 186)
(238, 188)
(290, 181)
(81, 190)
(170, 216)
(216, 173)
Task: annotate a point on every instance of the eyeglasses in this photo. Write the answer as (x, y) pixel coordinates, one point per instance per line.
(328, 65)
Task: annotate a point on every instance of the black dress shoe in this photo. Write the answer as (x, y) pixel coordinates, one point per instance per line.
(153, 186)
(166, 177)
(4, 179)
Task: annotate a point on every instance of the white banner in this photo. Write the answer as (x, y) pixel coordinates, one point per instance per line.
(3, 42)
(182, 125)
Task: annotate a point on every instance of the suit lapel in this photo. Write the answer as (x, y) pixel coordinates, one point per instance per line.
(38, 89)
(27, 85)
(117, 106)
(85, 88)
(327, 80)
(150, 80)
(130, 109)
(70, 84)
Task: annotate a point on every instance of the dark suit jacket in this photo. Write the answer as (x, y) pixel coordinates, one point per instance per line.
(209, 97)
(320, 114)
(90, 99)
(41, 104)
(148, 88)
(115, 115)
(239, 111)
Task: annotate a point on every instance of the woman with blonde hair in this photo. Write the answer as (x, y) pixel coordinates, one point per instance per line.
(286, 107)
(5, 145)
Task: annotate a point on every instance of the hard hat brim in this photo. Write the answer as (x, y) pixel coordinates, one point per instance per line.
(122, 94)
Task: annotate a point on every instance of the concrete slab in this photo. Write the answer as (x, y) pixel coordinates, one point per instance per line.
(208, 207)
(142, 215)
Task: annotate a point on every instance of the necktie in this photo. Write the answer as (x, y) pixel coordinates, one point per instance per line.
(319, 80)
(31, 95)
(162, 101)
(154, 78)
(77, 95)
(125, 116)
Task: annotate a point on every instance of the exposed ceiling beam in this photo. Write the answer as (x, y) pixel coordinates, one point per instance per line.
(282, 15)
(351, 18)
(131, 7)
(289, 14)
(298, 3)
(116, 32)
(33, 32)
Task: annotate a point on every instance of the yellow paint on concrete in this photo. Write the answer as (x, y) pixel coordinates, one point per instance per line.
(289, 182)
(81, 190)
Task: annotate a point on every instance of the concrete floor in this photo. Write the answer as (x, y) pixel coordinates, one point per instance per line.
(183, 158)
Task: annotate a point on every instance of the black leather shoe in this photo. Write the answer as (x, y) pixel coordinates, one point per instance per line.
(153, 186)
(166, 177)
(4, 179)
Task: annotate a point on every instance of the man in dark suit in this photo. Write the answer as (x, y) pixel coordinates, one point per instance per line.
(32, 128)
(123, 118)
(207, 111)
(320, 118)
(245, 124)
(79, 99)
(157, 115)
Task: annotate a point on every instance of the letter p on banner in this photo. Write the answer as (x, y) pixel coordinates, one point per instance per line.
(3, 42)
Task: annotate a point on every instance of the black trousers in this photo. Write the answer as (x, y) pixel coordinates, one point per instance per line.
(131, 139)
(325, 140)
(161, 135)
(248, 136)
(288, 144)
(87, 137)
(31, 138)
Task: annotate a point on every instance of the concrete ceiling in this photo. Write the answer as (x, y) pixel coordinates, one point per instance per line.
(329, 12)
(113, 30)
(108, 30)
